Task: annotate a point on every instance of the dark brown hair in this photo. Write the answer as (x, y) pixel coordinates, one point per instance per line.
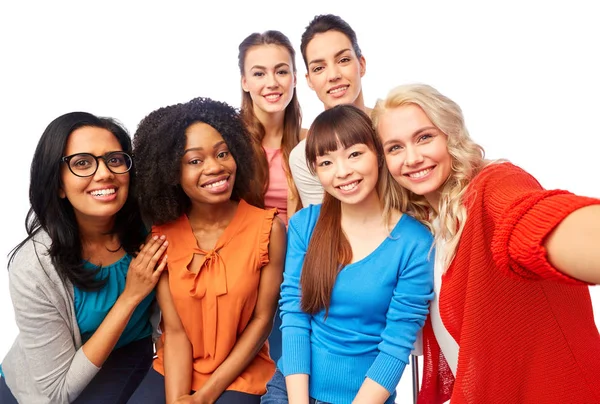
(291, 121)
(329, 250)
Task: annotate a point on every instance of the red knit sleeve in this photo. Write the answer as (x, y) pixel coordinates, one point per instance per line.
(522, 214)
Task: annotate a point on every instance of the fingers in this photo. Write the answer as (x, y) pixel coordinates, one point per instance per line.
(152, 251)
(159, 269)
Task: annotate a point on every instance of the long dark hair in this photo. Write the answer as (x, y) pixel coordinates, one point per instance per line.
(291, 122)
(55, 215)
(329, 250)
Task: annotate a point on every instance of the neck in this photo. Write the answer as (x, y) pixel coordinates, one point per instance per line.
(211, 215)
(96, 232)
(366, 211)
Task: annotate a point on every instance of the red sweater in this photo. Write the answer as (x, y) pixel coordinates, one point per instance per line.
(526, 331)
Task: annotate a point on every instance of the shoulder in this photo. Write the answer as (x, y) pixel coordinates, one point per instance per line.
(32, 266)
(298, 152)
(500, 172)
(305, 218)
(416, 231)
(171, 227)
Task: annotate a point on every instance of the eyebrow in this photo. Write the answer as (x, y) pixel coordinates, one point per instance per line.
(336, 55)
(277, 66)
(415, 133)
(219, 143)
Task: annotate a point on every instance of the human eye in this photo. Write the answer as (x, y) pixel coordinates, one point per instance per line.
(323, 163)
(258, 74)
(344, 59)
(394, 148)
(283, 72)
(82, 161)
(116, 159)
(194, 161)
(425, 137)
(317, 69)
(223, 154)
(355, 154)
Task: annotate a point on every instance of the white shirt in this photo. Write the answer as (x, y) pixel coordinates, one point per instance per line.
(447, 344)
(308, 186)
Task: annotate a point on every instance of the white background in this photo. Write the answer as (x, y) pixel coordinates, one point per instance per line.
(525, 73)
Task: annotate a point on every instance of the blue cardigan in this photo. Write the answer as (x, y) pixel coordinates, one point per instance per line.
(378, 305)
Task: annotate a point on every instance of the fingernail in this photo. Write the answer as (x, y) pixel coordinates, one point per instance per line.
(166, 243)
(155, 238)
(163, 237)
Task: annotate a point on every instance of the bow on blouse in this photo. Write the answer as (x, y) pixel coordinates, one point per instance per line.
(210, 282)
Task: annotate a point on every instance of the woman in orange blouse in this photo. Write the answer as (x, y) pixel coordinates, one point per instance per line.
(219, 293)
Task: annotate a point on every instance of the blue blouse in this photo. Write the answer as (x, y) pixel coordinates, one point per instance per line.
(91, 307)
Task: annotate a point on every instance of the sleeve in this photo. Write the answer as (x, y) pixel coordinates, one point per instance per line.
(308, 186)
(58, 369)
(523, 215)
(406, 314)
(264, 236)
(295, 323)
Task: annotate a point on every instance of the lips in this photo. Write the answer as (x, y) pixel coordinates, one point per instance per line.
(420, 173)
(273, 97)
(214, 183)
(338, 91)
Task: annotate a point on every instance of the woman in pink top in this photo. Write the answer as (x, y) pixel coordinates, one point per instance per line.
(271, 113)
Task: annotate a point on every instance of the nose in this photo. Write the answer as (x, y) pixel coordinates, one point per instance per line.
(413, 156)
(334, 73)
(272, 81)
(103, 172)
(212, 166)
(342, 168)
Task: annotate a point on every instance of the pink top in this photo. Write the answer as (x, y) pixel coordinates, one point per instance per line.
(277, 192)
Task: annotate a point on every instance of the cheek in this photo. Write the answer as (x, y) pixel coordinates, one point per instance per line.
(394, 164)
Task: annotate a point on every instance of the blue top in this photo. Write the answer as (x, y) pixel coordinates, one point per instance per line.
(378, 305)
(91, 307)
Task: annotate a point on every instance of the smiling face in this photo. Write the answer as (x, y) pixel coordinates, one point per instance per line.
(349, 174)
(416, 152)
(100, 196)
(207, 167)
(334, 70)
(269, 78)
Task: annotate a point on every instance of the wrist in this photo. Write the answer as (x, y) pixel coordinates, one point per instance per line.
(127, 301)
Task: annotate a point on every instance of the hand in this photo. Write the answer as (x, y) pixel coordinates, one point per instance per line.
(144, 273)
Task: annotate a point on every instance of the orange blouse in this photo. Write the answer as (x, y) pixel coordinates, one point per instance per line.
(216, 304)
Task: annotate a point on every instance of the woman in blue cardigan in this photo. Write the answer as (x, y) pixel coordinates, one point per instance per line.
(358, 275)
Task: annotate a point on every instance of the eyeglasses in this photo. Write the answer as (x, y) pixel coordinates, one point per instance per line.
(86, 164)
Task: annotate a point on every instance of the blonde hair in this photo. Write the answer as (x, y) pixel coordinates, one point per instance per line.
(467, 159)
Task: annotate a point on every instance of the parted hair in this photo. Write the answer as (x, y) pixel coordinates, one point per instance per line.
(292, 118)
(159, 145)
(55, 215)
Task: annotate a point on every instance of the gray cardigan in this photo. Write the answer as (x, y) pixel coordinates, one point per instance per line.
(46, 363)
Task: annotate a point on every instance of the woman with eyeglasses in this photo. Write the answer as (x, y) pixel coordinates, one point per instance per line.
(82, 281)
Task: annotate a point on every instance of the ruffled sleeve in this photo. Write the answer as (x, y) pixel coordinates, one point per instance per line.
(265, 236)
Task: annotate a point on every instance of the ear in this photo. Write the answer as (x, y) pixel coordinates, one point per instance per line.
(295, 80)
(309, 82)
(244, 84)
(61, 193)
(363, 66)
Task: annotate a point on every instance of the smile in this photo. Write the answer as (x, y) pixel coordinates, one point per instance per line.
(272, 97)
(338, 90)
(103, 192)
(215, 184)
(420, 174)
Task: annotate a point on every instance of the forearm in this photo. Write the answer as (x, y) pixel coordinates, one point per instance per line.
(100, 345)
(573, 246)
(297, 388)
(371, 392)
(243, 353)
(177, 354)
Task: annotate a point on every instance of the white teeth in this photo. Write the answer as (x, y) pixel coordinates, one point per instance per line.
(420, 174)
(103, 192)
(273, 97)
(215, 184)
(349, 187)
(337, 90)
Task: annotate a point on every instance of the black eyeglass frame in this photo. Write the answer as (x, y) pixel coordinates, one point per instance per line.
(105, 157)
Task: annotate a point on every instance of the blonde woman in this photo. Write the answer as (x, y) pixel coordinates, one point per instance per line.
(512, 320)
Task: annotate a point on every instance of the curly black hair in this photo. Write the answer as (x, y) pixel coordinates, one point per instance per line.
(158, 146)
